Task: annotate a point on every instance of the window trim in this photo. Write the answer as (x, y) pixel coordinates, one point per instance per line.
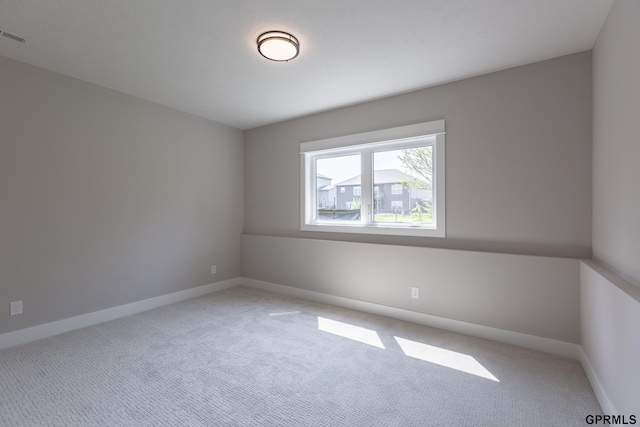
(365, 144)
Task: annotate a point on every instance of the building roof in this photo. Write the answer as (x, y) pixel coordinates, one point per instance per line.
(384, 176)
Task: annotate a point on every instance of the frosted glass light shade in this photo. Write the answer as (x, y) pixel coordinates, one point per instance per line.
(278, 46)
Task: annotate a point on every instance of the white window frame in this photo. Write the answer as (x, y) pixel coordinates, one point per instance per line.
(417, 135)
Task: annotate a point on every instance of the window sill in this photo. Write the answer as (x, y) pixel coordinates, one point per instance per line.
(389, 230)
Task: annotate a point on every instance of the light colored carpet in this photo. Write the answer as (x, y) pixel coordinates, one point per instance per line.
(243, 357)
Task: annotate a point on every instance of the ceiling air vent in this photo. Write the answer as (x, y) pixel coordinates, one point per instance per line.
(13, 37)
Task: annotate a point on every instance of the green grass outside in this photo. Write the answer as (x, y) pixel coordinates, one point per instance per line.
(389, 217)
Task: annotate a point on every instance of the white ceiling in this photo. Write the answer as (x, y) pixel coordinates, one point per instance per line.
(200, 56)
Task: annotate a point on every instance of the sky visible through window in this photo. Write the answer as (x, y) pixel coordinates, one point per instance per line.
(342, 168)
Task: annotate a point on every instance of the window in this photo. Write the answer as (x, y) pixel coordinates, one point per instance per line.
(383, 182)
(342, 205)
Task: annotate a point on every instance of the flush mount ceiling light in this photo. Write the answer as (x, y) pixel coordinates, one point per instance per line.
(278, 46)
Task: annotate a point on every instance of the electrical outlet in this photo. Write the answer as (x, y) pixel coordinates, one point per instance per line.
(16, 308)
(213, 269)
(415, 293)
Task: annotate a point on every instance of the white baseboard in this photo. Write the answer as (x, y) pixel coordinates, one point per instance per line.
(22, 336)
(560, 348)
(598, 390)
(547, 345)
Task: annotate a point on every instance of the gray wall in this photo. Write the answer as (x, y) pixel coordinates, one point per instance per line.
(610, 340)
(518, 160)
(107, 199)
(527, 294)
(610, 306)
(616, 142)
(518, 181)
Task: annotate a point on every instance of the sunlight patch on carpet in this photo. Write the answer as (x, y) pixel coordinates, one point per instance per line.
(447, 358)
(356, 333)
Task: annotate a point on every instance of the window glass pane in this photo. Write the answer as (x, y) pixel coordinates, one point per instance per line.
(338, 183)
(403, 179)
